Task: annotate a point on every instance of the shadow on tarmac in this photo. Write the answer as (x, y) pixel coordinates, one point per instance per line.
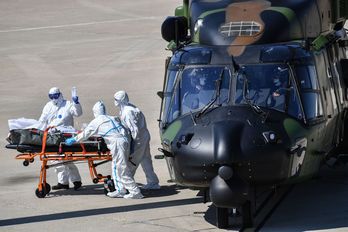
(318, 204)
(101, 211)
(98, 189)
(19, 179)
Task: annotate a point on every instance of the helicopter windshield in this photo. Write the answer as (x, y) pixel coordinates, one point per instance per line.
(268, 86)
(197, 87)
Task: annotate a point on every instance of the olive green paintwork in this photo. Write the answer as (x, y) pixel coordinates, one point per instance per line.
(179, 11)
(171, 131)
(290, 15)
(293, 128)
(202, 16)
(320, 42)
(311, 161)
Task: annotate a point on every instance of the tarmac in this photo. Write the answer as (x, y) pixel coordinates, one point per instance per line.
(102, 47)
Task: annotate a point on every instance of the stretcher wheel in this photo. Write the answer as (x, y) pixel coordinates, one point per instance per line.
(47, 188)
(31, 160)
(40, 194)
(95, 180)
(25, 162)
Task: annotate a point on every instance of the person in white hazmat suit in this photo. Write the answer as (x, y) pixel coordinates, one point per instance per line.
(60, 112)
(134, 120)
(117, 140)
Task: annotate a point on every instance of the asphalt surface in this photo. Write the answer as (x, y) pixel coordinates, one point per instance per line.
(102, 47)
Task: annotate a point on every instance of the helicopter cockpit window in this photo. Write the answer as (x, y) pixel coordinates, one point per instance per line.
(199, 86)
(269, 86)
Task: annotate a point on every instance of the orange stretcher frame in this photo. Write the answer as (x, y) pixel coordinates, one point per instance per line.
(68, 156)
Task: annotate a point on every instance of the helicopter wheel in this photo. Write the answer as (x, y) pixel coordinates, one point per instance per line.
(221, 217)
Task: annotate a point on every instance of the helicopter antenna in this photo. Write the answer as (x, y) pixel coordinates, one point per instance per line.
(176, 33)
(305, 36)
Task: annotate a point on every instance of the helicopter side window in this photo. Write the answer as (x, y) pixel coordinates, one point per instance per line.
(168, 95)
(309, 91)
(294, 105)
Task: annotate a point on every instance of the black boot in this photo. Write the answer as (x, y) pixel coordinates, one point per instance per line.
(77, 185)
(60, 186)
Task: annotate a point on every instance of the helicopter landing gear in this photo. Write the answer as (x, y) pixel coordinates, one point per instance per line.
(222, 217)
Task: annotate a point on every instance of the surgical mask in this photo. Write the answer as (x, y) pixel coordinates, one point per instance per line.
(54, 101)
(202, 81)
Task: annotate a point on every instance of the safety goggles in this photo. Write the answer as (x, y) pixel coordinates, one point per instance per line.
(54, 96)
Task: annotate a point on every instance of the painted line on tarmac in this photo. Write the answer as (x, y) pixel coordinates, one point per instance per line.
(78, 24)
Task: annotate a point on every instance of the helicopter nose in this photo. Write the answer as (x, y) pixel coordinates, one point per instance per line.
(230, 194)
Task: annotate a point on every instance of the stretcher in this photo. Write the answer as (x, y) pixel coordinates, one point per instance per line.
(93, 151)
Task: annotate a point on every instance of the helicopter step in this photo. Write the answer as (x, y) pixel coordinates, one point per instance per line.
(252, 216)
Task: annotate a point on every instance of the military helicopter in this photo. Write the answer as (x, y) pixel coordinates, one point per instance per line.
(254, 94)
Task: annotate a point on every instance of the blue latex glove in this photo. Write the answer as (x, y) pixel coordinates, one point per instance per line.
(70, 141)
(75, 99)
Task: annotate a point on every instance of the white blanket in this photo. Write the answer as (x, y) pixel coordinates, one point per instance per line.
(27, 123)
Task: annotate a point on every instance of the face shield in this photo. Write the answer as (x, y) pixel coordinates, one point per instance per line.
(55, 96)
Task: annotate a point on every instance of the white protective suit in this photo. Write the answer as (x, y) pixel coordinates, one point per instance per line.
(60, 112)
(134, 119)
(117, 141)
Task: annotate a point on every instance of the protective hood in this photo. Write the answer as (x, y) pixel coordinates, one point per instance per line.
(99, 109)
(121, 98)
(55, 96)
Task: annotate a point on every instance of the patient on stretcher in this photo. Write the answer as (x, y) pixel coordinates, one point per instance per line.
(26, 136)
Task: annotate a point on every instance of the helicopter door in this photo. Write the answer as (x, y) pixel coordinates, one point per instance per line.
(334, 90)
(330, 103)
(336, 83)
